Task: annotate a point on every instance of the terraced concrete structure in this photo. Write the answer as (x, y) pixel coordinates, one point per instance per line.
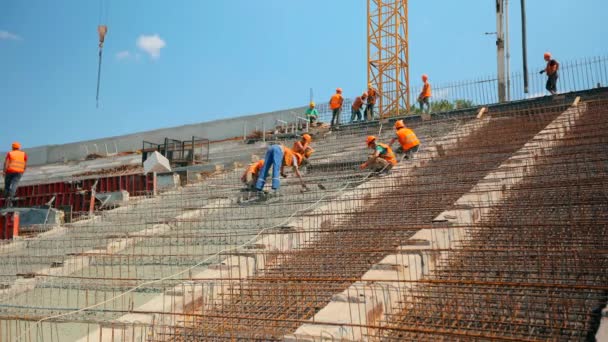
(496, 230)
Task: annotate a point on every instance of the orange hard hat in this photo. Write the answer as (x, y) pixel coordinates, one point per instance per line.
(364, 94)
(547, 55)
(425, 77)
(339, 90)
(16, 145)
(370, 139)
(307, 137)
(369, 85)
(399, 124)
(312, 104)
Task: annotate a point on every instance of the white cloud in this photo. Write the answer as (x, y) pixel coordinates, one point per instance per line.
(5, 35)
(151, 44)
(123, 55)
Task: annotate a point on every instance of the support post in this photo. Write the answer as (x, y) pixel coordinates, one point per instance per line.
(500, 50)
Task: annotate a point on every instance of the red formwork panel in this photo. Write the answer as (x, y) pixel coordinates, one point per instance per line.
(78, 194)
(9, 225)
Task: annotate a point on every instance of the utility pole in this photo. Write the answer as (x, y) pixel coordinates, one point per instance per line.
(524, 45)
(507, 46)
(500, 47)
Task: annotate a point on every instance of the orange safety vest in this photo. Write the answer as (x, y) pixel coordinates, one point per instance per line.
(358, 103)
(15, 161)
(371, 96)
(336, 101)
(297, 149)
(552, 69)
(389, 156)
(407, 138)
(256, 167)
(426, 90)
(288, 155)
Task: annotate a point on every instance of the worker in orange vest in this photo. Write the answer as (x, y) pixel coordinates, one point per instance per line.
(251, 174)
(277, 157)
(335, 104)
(14, 167)
(382, 160)
(551, 70)
(407, 139)
(355, 110)
(301, 145)
(425, 95)
(372, 97)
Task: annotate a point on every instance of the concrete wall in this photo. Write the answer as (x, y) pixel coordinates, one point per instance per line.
(213, 130)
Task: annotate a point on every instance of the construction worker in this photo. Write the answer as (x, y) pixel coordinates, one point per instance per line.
(311, 113)
(335, 104)
(15, 164)
(250, 176)
(277, 157)
(355, 109)
(382, 160)
(372, 97)
(551, 70)
(407, 139)
(301, 145)
(425, 95)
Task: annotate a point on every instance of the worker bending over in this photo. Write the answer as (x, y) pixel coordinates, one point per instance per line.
(277, 157)
(250, 177)
(407, 139)
(355, 109)
(335, 104)
(551, 70)
(15, 164)
(382, 160)
(425, 95)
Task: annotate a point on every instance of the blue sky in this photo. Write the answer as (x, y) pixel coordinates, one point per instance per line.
(202, 60)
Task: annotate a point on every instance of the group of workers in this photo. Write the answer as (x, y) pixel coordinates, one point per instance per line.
(369, 98)
(15, 164)
(278, 157)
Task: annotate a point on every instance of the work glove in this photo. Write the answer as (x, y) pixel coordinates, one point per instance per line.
(363, 166)
(542, 72)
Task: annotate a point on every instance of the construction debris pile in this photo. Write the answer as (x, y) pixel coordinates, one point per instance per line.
(497, 229)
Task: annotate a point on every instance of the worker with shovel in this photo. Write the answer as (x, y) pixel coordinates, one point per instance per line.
(407, 139)
(382, 160)
(277, 157)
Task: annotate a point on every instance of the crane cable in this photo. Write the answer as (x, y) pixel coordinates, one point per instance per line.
(102, 30)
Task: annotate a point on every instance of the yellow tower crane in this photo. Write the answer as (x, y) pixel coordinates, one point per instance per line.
(388, 55)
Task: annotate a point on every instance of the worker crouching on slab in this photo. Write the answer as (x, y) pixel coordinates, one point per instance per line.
(382, 160)
(250, 177)
(301, 145)
(407, 139)
(312, 115)
(15, 164)
(277, 157)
